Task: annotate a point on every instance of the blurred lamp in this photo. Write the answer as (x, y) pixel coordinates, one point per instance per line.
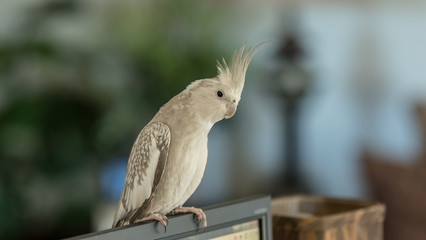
(293, 82)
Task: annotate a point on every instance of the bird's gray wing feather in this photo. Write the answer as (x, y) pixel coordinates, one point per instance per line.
(145, 168)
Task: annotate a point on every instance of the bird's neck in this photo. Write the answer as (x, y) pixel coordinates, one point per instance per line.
(199, 117)
(185, 112)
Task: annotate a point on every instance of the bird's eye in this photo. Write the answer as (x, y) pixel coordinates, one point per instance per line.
(219, 93)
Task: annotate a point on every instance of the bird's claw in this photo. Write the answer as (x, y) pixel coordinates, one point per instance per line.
(198, 212)
(155, 217)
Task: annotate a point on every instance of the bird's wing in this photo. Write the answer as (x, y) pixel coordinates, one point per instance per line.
(146, 165)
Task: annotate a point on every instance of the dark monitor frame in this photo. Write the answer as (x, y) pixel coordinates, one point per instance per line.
(180, 226)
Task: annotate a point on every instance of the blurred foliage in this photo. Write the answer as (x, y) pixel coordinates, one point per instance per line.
(79, 79)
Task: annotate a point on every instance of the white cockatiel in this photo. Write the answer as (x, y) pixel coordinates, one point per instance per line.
(169, 156)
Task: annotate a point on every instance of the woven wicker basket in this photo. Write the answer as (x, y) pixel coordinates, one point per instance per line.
(318, 218)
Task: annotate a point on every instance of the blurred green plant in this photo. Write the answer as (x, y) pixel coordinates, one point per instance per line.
(78, 81)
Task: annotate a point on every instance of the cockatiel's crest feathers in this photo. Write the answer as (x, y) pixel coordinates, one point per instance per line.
(234, 75)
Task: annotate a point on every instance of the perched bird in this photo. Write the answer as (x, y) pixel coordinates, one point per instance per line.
(169, 156)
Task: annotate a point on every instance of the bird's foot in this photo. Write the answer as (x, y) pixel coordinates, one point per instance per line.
(201, 216)
(154, 217)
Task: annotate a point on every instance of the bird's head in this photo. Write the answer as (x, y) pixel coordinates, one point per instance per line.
(219, 96)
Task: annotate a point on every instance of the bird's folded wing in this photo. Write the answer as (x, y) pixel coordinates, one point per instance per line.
(146, 165)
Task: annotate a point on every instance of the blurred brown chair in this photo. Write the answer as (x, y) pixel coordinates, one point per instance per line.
(402, 188)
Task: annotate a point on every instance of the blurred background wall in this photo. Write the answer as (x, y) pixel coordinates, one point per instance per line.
(79, 80)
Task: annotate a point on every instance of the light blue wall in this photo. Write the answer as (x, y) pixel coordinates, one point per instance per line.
(344, 112)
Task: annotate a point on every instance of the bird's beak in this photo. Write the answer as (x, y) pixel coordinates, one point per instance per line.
(231, 109)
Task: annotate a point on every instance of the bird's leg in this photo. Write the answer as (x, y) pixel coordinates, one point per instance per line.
(154, 217)
(197, 211)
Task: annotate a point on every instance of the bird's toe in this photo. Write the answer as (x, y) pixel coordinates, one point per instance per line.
(198, 212)
(155, 217)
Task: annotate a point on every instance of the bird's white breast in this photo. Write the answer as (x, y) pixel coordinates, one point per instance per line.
(184, 170)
